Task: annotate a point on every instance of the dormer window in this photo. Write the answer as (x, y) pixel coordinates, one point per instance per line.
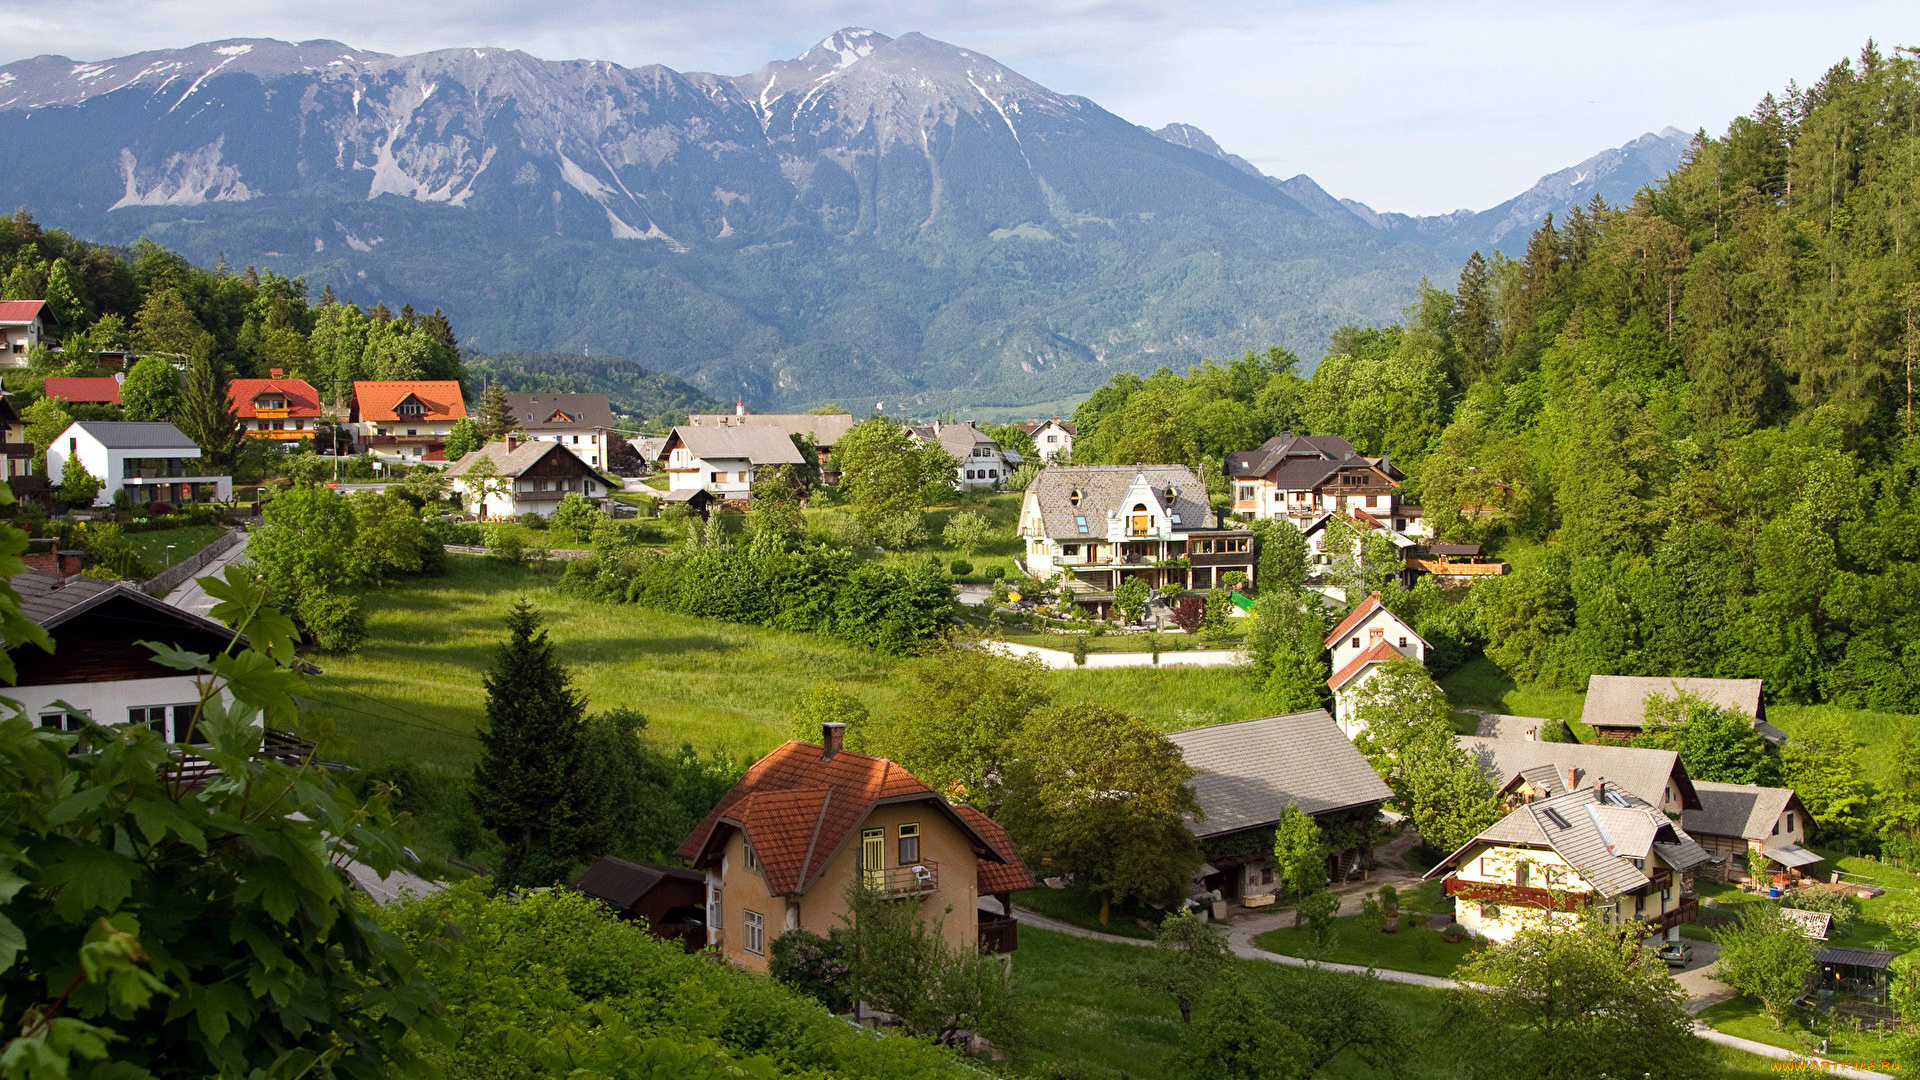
(410, 407)
(1073, 497)
(1171, 493)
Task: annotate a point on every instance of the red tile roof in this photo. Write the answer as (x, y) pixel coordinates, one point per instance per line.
(20, 311)
(377, 400)
(1367, 607)
(302, 399)
(798, 808)
(1380, 653)
(96, 389)
(996, 877)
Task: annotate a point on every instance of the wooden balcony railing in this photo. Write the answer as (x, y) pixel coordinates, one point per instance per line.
(1488, 892)
(1685, 912)
(916, 880)
(998, 936)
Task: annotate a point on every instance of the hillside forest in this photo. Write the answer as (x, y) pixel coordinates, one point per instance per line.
(1689, 422)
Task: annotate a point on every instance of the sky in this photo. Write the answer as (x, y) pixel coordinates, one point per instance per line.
(1417, 106)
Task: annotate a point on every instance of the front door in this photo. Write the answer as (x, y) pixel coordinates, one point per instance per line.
(873, 856)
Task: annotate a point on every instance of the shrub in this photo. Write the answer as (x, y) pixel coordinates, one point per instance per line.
(960, 567)
(159, 509)
(996, 573)
(816, 966)
(1080, 650)
(1189, 613)
(532, 520)
(506, 544)
(333, 622)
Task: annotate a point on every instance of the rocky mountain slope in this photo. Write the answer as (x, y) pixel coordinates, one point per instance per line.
(878, 218)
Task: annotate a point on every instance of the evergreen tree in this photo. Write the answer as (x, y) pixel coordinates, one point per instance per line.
(205, 411)
(165, 324)
(1475, 334)
(526, 785)
(496, 419)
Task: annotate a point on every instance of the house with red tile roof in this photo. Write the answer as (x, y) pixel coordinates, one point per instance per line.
(83, 390)
(406, 419)
(782, 848)
(1369, 636)
(276, 408)
(22, 325)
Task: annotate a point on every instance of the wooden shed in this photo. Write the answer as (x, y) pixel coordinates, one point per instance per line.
(671, 902)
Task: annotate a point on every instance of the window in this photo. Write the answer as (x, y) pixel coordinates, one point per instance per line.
(1640, 904)
(1080, 520)
(1487, 869)
(576, 440)
(753, 858)
(65, 721)
(155, 717)
(910, 843)
(1069, 549)
(1789, 821)
(1356, 643)
(1489, 911)
(1403, 641)
(993, 474)
(1666, 894)
(1523, 874)
(756, 942)
(873, 855)
(1556, 876)
(1373, 501)
(413, 431)
(73, 446)
(1776, 828)
(1053, 438)
(1073, 499)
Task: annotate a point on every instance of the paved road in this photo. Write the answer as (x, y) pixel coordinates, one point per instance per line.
(190, 596)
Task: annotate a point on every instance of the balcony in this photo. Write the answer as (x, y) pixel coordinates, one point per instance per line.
(999, 935)
(1528, 895)
(188, 469)
(920, 879)
(1686, 911)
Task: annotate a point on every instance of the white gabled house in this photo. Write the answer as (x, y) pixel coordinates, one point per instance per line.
(982, 463)
(153, 461)
(1103, 524)
(1052, 438)
(1322, 553)
(529, 476)
(1368, 637)
(22, 326)
(724, 460)
(1306, 477)
(1597, 848)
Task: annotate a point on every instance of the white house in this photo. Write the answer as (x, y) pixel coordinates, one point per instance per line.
(98, 672)
(982, 463)
(723, 460)
(152, 460)
(1103, 524)
(1598, 846)
(1364, 640)
(583, 423)
(1322, 551)
(528, 476)
(22, 325)
(1052, 437)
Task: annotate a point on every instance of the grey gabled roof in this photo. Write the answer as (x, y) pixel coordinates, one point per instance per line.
(958, 440)
(754, 445)
(621, 882)
(535, 412)
(524, 455)
(1249, 771)
(824, 428)
(1598, 832)
(1746, 811)
(1644, 772)
(50, 601)
(1620, 701)
(137, 435)
(1101, 488)
(1323, 450)
(1866, 958)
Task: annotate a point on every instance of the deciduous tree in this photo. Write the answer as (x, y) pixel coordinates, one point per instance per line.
(1188, 959)
(1766, 958)
(152, 390)
(1299, 852)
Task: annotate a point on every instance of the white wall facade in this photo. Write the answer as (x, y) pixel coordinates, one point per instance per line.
(589, 444)
(722, 476)
(108, 702)
(113, 465)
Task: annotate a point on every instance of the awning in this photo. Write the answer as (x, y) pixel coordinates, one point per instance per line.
(1793, 855)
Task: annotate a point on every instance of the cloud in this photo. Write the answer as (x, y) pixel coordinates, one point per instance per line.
(1420, 106)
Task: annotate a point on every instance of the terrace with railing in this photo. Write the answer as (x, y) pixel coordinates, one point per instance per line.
(916, 880)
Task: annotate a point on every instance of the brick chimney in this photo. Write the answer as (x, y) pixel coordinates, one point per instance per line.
(833, 736)
(1573, 778)
(276, 373)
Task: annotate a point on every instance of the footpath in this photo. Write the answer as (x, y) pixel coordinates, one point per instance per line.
(1241, 932)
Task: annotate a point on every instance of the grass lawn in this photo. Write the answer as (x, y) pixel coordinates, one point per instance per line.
(1081, 908)
(162, 548)
(412, 692)
(1415, 948)
(1744, 1018)
(1480, 684)
(1079, 1013)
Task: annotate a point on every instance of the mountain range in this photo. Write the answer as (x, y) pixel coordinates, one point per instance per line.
(880, 218)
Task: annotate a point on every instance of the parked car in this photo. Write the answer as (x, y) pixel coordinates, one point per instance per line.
(1677, 954)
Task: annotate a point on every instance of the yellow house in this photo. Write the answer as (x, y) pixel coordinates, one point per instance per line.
(1598, 845)
(807, 821)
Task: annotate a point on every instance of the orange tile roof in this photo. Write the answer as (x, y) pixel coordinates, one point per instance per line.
(377, 400)
(102, 388)
(1367, 607)
(996, 877)
(798, 809)
(302, 399)
(1379, 653)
